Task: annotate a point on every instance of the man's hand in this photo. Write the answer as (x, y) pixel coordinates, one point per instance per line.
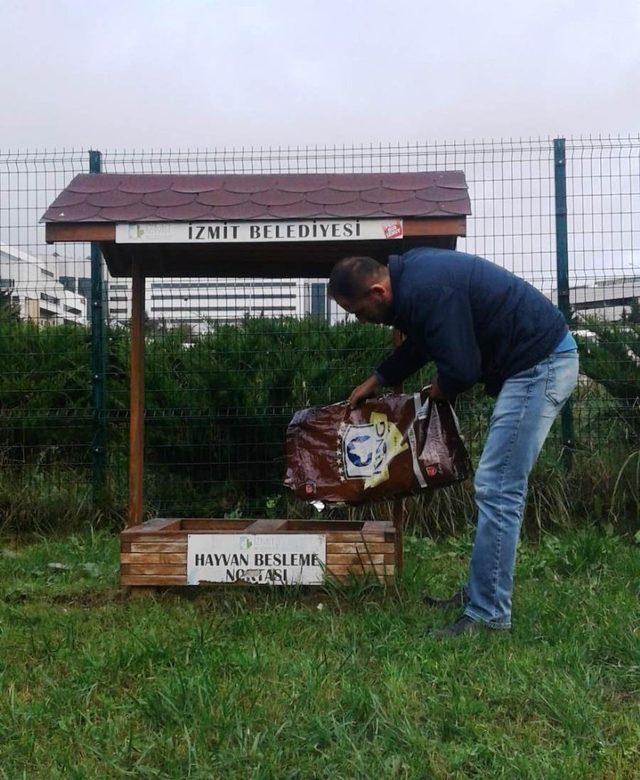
(368, 389)
(435, 392)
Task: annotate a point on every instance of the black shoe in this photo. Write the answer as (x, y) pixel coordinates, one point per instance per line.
(463, 625)
(459, 600)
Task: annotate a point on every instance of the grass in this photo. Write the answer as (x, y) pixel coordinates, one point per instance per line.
(340, 684)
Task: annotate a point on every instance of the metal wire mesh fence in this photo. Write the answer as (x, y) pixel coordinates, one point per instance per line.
(45, 410)
(228, 361)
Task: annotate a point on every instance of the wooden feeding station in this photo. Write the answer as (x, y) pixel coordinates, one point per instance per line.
(271, 226)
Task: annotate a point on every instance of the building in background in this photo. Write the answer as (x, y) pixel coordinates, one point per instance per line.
(30, 283)
(118, 301)
(200, 304)
(611, 298)
(78, 284)
(40, 294)
(317, 303)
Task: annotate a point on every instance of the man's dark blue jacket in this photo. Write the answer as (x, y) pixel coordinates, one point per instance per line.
(475, 320)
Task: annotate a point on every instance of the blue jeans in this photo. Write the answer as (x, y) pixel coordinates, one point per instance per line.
(527, 405)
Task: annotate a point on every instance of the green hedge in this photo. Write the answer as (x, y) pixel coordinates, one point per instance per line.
(217, 411)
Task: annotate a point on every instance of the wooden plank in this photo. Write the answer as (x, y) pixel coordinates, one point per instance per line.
(168, 533)
(158, 547)
(153, 579)
(156, 525)
(125, 546)
(148, 569)
(347, 548)
(212, 525)
(340, 558)
(79, 231)
(435, 226)
(143, 558)
(179, 542)
(346, 559)
(398, 520)
(133, 534)
(344, 536)
(322, 526)
(343, 575)
(377, 527)
(372, 530)
(356, 547)
(353, 569)
(186, 527)
(265, 527)
(136, 430)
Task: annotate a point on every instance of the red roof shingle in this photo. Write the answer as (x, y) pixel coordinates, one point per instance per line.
(110, 197)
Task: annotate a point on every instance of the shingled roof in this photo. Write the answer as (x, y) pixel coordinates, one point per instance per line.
(176, 198)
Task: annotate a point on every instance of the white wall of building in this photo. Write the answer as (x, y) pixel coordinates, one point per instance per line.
(199, 303)
(36, 291)
(605, 298)
(119, 301)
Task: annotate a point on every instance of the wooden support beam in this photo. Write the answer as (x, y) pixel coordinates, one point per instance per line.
(434, 226)
(79, 231)
(106, 231)
(136, 431)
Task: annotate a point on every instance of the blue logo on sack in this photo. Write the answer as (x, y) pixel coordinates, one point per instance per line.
(358, 452)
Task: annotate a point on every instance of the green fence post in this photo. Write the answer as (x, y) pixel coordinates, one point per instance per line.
(98, 364)
(562, 271)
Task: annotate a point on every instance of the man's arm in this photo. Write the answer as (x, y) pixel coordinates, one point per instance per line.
(448, 338)
(401, 363)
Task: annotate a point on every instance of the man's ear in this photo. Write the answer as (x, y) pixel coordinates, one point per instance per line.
(378, 291)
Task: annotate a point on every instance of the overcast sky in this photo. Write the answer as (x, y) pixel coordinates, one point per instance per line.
(152, 73)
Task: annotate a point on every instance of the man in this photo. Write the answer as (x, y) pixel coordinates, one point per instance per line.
(478, 323)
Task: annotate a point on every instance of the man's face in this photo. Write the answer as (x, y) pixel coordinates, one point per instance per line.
(374, 306)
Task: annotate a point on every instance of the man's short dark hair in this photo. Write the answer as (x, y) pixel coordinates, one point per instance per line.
(351, 277)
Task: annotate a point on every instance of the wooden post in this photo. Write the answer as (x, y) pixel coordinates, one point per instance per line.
(398, 504)
(136, 430)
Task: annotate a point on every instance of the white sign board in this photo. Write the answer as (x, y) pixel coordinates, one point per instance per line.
(255, 231)
(259, 559)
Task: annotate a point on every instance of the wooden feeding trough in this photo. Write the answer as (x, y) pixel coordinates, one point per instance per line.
(270, 226)
(255, 551)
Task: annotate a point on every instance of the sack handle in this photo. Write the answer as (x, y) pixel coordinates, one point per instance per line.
(426, 388)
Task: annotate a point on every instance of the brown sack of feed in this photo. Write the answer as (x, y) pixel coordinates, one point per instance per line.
(385, 448)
